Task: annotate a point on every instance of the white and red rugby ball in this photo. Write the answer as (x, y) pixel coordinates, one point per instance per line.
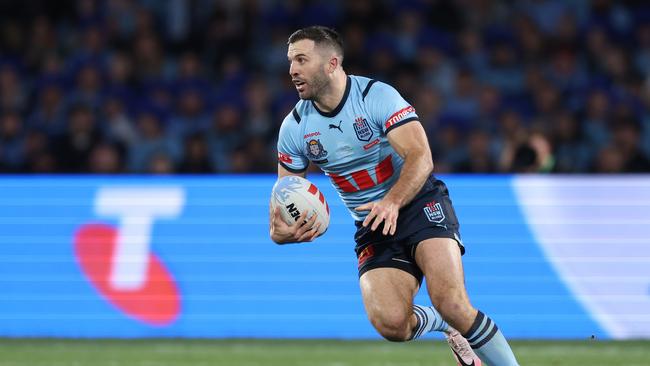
(295, 195)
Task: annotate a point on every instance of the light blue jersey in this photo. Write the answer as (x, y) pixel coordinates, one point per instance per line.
(349, 143)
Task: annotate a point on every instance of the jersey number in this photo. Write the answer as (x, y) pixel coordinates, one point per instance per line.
(362, 179)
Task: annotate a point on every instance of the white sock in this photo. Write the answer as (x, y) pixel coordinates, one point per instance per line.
(489, 343)
(428, 320)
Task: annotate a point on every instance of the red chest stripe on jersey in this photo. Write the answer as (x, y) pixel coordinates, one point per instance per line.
(284, 158)
(362, 179)
(321, 198)
(384, 170)
(342, 183)
(398, 116)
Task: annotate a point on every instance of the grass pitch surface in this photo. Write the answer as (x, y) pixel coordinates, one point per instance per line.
(182, 352)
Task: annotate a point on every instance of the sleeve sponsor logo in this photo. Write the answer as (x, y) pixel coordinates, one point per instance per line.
(398, 116)
(285, 158)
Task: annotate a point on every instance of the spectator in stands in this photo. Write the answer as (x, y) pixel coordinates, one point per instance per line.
(225, 135)
(152, 144)
(479, 157)
(160, 163)
(13, 91)
(106, 158)
(196, 156)
(626, 140)
(572, 153)
(39, 154)
(48, 113)
(11, 141)
(81, 136)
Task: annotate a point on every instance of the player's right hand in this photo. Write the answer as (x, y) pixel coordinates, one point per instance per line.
(302, 230)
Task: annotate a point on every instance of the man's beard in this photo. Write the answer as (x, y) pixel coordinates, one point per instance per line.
(318, 85)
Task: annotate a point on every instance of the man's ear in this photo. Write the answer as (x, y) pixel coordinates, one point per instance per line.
(334, 62)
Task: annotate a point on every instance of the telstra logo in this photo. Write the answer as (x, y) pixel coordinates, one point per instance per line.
(119, 261)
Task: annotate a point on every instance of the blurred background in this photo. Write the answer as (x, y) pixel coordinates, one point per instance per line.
(201, 86)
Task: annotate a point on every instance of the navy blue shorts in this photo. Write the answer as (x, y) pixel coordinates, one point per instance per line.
(429, 215)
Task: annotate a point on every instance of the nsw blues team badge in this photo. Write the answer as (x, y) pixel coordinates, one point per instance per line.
(434, 212)
(316, 152)
(362, 129)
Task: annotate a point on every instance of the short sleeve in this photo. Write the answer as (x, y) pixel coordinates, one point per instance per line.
(387, 107)
(290, 155)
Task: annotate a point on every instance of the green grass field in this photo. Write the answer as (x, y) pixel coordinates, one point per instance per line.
(55, 352)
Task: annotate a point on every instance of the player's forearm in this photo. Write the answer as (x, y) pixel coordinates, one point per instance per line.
(417, 167)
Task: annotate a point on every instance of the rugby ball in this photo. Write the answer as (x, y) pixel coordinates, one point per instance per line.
(295, 195)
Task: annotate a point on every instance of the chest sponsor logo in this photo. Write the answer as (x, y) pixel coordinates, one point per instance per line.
(434, 212)
(370, 144)
(311, 134)
(316, 152)
(362, 129)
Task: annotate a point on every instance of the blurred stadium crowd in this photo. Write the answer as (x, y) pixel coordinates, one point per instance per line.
(201, 86)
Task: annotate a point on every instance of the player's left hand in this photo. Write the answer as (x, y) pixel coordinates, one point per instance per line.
(381, 211)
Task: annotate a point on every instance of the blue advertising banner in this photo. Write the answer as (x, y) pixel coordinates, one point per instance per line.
(191, 257)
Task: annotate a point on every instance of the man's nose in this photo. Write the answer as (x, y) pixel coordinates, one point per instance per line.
(293, 69)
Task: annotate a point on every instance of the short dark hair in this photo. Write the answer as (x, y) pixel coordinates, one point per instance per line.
(320, 35)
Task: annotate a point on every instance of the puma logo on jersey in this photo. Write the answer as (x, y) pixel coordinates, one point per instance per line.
(333, 126)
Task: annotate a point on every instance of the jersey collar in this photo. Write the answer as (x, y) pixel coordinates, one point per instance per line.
(338, 108)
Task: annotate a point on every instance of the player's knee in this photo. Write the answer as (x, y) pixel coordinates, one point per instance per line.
(393, 327)
(394, 334)
(453, 307)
